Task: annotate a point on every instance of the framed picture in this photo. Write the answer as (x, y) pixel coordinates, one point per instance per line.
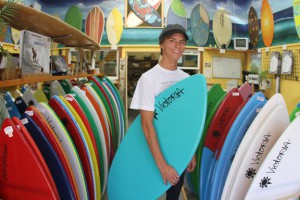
(144, 14)
(34, 54)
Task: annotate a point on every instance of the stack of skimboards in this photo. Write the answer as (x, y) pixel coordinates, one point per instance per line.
(60, 147)
(248, 148)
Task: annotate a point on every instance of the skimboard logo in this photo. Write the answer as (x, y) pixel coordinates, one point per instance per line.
(251, 172)
(261, 150)
(265, 182)
(278, 159)
(168, 101)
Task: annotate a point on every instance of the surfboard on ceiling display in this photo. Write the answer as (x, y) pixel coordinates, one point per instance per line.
(199, 25)
(132, 20)
(222, 28)
(296, 12)
(177, 14)
(253, 27)
(267, 23)
(94, 24)
(146, 12)
(74, 17)
(114, 27)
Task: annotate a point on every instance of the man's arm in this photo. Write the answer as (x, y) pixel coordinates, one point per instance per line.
(168, 173)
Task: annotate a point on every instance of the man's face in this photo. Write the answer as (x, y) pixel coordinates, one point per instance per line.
(173, 46)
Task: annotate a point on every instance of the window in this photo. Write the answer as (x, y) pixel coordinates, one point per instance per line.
(189, 62)
(107, 62)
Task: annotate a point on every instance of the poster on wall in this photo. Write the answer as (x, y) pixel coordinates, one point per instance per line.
(144, 14)
(34, 53)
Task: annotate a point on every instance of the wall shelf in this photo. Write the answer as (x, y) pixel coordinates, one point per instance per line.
(22, 81)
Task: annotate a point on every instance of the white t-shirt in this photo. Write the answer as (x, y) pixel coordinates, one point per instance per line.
(151, 84)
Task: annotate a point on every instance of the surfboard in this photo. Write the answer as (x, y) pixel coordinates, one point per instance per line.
(40, 96)
(132, 20)
(232, 142)
(253, 27)
(116, 95)
(100, 138)
(86, 137)
(97, 104)
(12, 109)
(222, 28)
(114, 27)
(200, 25)
(38, 118)
(146, 13)
(29, 98)
(267, 23)
(68, 146)
(15, 35)
(15, 167)
(268, 125)
(108, 117)
(117, 111)
(278, 177)
(55, 28)
(107, 80)
(81, 145)
(94, 24)
(99, 142)
(57, 89)
(35, 148)
(113, 109)
(21, 105)
(96, 85)
(214, 133)
(171, 134)
(214, 96)
(73, 17)
(296, 13)
(55, 166)
(85, 120)
(295, 113)
(177, 14)
(66, 85)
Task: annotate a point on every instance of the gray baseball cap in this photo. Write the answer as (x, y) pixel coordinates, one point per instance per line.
(170, 29)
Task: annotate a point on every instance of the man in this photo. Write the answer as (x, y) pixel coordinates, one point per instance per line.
(172, 42)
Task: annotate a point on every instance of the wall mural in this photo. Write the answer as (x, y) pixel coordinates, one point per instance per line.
(140, 29)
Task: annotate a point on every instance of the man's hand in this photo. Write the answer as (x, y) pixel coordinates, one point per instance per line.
(169, 174)
(191, 165)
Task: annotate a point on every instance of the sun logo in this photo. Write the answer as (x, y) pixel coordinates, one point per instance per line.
(250, 173)
(264, 182)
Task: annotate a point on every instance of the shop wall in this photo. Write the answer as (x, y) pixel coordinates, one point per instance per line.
(208, 59)
(289, 84)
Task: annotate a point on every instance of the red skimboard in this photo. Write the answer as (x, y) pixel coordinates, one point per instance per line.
(94, 24)
(21, 165)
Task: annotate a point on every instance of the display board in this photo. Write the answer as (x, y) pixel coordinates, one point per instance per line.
(226, 67)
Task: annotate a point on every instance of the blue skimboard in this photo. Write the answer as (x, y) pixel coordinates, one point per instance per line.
(232, 142)
(179, 121)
